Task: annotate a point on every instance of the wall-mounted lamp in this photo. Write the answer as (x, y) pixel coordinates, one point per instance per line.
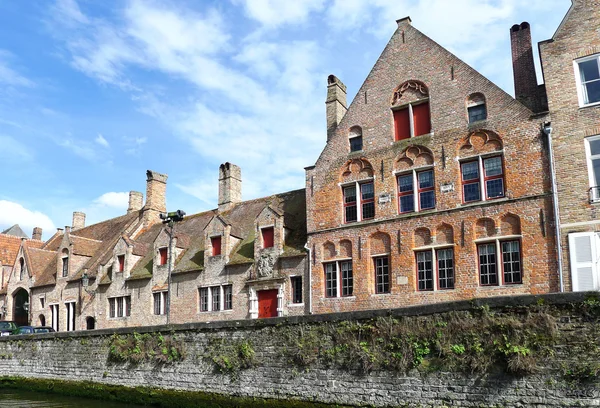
(85, 282)
(26, 307)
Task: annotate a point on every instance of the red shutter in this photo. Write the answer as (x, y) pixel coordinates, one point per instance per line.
(216, 245)
(163, 256)
(402, 124)
(121, 262)
(268, 234)
(421, 119)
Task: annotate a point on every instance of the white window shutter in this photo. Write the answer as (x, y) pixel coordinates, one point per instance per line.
(583, 248)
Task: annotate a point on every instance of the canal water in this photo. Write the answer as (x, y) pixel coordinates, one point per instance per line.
(23, 399)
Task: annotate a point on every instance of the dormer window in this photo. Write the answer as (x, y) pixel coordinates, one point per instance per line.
(215, 242)
(355, 138)
(65, 263)
(21, 268)
(121, 260)
(476, 108)
(163, 255)
(268, 237)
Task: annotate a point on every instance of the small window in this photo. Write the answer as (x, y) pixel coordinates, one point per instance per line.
(487, 172)
(412, 120)
(65, 262)
(227, 297)
(216, 298)
(215, 293)
(588, 82)
(160, 303)
(355, 138)
(121, 260)
(163, 254)
(424, 199)
(204, 300)
(215, 243)
(592, 150)
(476, 108)
(382, 274)
(119, 306)
(21, 269)
(296, 282)
(268, 237)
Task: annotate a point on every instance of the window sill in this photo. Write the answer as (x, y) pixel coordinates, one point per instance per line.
(341, 298)
(430, 134)
(380, 294)
(217, 311)
(589, 105)
(298, 304)
(497, 287)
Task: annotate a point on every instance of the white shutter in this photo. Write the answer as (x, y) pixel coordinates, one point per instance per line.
(584, 263)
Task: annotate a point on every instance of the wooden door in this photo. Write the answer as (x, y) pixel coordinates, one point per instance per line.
(267, 303)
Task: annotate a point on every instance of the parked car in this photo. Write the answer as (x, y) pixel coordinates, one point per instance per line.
(24, 330)
(43, 329)
(7, 328)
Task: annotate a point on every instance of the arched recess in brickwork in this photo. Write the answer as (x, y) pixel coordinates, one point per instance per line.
(479, 142)
(379, 243)
(329, 250)
(415, 155)
(422, 237)
(485, 227)
(444, 234)
(510, 224)
(356, 169)
(345, 249)
(411, 90)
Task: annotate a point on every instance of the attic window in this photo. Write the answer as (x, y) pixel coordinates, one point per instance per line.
(21, 268)
(121, 260)
(412, 120)
(355, 138)
(268, 235)
(476, 108)
(163, 254)
(215, 243)
(65, 263)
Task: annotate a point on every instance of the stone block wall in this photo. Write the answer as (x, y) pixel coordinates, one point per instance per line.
(83, 356)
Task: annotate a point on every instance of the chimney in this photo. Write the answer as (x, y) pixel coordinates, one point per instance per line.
(67, 229)
(37, 234)
(230, 186)
(335, 104)
(526, 87)
(136, 201)
(156, 188)
(78, 220)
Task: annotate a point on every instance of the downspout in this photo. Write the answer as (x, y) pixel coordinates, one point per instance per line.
(309, 278)
(547, 129)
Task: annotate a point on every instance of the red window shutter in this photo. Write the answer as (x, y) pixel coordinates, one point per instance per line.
(216, 245)
(268, 235)
(121, 263)
(402, 124)
(421, 119)
(163, 255)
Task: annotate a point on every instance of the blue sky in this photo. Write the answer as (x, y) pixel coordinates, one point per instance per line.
(93, 93)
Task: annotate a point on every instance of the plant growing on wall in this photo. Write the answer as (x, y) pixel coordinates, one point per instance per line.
(153, 347)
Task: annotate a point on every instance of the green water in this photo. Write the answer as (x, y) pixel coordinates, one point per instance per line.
(27, 399)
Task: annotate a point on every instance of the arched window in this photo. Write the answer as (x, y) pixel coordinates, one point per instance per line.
(21, 268)
(65, 262)
(410, 107)
(476, 108)
(355, 138)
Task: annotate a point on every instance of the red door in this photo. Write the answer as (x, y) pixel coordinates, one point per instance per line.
(267, 303)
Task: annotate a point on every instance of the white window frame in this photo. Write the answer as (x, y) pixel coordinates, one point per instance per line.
(70, 315)
(55, 315)
(594, 239)
(580, 94)
(359, 201)
(595, 190)
(210, 298)
(338, 277)
(123, 301)
(162, 296)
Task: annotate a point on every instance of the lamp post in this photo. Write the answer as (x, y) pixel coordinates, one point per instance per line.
(85, 282)
(170, 219)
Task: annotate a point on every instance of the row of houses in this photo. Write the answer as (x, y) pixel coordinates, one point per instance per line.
(434, 185)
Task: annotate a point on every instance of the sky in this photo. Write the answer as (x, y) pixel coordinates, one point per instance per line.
(95, 92)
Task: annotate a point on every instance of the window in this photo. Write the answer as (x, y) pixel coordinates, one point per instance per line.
(423, 199)
(215, 243)
(216, 298)
(296, 282)
(592, 150)
(119, 306)
(435, 269)
(361, 207)
(65, 267)
(121, 260)
(382, 274)
(163, 255)
(476, 108)
(160, 303)
(588, 80)
(21, 269)
(70, 306)
(268, 237)
(508, 267)
(55, 317)
(338, 279)
(42, 302)
(355, 139)
(492, 182)
(412, 120)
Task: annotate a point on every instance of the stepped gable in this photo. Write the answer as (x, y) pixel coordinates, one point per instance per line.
(15, 231)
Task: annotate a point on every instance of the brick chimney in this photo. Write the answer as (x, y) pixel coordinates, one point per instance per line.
(526, 86)
(156, 189)
(37, 234)
(335, 104)
(78, 220)
(230, 186)
(136, 201)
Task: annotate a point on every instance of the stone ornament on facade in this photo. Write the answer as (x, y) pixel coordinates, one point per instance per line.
(359, 167)
(413, 85)
(481, 141)
(264, 266)
(414, 155)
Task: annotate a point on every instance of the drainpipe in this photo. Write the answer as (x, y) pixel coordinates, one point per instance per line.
(547, 129)
(309, 278)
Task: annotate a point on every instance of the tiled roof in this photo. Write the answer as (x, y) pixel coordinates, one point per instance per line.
(42, 265)
(84, 246)
(15, 231)
(9, 248)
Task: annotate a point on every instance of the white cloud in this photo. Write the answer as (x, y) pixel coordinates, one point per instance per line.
(9, 76)
(101, 140)
(14, 213)
(113, 199)
(273, 13)
(81, 149)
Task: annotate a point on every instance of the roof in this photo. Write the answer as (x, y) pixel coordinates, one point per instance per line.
(9, 248)
(84, 246)
(15, 231)
(41, 265)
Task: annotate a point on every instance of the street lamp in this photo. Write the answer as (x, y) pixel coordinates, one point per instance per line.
(85, 282)
(170, 219)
